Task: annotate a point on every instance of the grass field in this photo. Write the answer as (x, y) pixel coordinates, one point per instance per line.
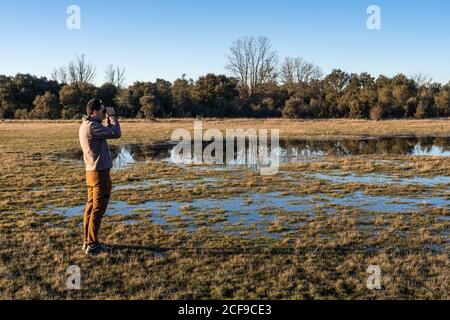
(320, 251)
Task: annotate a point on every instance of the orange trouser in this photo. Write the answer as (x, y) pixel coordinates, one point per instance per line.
(98, 193)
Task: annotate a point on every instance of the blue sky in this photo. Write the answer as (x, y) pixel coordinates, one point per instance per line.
(166, 38)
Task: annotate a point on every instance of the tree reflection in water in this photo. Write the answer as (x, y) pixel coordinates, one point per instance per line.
(290, 150)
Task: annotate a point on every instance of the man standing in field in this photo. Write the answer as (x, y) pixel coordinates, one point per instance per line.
(97, 158)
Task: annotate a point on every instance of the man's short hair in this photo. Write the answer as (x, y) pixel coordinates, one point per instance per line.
(94, 104)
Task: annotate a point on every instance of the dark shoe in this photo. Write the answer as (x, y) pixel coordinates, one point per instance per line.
(96, 249)
(104, 247)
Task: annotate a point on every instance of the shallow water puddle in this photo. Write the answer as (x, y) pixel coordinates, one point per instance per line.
(207, 181)
(289, 150)
(380, 179)
(386, 203)
(255, 211)
(246, 211)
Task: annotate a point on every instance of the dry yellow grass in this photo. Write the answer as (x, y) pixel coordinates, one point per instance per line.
(327, 257)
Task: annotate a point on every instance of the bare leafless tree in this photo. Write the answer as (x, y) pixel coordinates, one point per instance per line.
(78, 71)
(287, 71)
(253, 62)
(60, 75)
(296, 70)
(110, 74)
(81, 71)
(422, 79)
(115, 75)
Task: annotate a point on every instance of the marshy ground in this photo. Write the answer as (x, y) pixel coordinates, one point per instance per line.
(201, 232)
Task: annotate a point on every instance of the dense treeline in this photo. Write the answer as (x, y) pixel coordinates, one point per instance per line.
(258, 87)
